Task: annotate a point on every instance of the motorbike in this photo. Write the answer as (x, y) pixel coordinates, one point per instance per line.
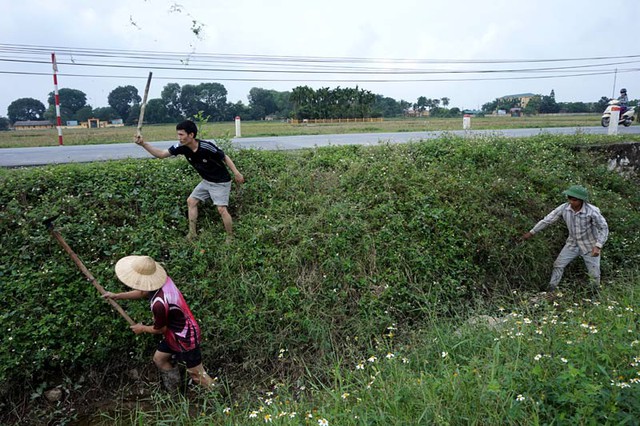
(625, 119)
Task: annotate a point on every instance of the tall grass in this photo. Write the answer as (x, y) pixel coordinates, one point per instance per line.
(572, 361)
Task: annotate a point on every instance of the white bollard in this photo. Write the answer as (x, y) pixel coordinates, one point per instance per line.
(238, 133)
(613, 120)
(466, 122)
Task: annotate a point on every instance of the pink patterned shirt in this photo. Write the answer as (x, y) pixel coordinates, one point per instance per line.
(170, 309)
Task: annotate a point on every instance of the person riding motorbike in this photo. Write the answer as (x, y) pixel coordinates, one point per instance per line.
(623, 100)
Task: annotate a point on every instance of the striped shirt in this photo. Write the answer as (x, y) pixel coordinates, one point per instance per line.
(587, 227)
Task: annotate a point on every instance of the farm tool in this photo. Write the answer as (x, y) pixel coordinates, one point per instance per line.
(144, 105)
(56, 235)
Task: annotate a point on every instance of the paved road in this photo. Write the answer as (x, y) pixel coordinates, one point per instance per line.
(19, 157)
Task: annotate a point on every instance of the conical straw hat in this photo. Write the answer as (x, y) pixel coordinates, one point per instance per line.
(141, 273)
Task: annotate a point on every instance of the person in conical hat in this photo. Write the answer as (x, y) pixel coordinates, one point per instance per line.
(588, 231)
(172, 318)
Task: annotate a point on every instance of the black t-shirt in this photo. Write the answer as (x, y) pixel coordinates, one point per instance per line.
(208, 160)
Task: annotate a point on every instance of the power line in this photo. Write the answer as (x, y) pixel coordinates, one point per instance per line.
(148, 66)
(192, 66)
(158, 77)
(261, 64)
(138, 54)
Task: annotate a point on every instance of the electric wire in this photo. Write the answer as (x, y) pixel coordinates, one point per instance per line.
(160, 77)
(196, 66)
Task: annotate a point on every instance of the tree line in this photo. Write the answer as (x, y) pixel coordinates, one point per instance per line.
(210, 100)
(178, 102)
(539, 104)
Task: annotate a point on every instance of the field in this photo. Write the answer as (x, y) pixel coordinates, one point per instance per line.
(49, 137)
(379, 285)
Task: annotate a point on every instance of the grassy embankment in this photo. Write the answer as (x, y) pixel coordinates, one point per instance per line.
(345, 296)
(49, 137)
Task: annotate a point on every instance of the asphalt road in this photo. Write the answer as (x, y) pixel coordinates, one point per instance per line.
(23, 157)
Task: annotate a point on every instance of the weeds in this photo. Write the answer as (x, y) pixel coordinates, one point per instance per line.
(343, 256)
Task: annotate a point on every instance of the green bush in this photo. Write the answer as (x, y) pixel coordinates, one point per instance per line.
(332, 246)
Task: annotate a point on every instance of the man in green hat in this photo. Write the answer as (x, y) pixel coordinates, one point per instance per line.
(588, 231)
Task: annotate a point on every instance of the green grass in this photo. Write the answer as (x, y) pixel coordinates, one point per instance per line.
(574, 361)
(340, 254)
(49, 137)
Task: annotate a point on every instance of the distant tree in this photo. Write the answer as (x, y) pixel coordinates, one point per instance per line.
(602, 104)
(51, 114)
(72, 100)
(238, 109)
(189, 101)
(210, 98)
(445, 102)
(331, 103)
(213, 98)
(365, 101)
(283, 103)
(455, 112)
(105, 113)
(156, 112)
(322, 100)
(548, 105)
(84, 113)
(4, 123)
(574, 107)
(533, 106)
(438, 112)
(490, 107)
(134, 115)
(170, 96)
(404, 106)
(262, 102)
(386, 107)
(302, 98)
(421, 104)
(122, 98)
(25, 109)
(342, 102)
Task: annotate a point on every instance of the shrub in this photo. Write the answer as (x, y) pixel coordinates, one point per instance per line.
(332, 246)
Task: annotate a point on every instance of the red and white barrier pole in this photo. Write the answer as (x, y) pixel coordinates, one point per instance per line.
(57, 97)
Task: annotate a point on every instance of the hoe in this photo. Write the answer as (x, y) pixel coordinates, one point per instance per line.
(56, 235)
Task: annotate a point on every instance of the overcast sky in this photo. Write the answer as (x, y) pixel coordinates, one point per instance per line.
(400, 35)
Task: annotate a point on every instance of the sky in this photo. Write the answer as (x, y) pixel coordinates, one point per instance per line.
(403, 50)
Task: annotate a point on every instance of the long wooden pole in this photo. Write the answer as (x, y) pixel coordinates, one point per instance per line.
(144, 104)
(87, 274)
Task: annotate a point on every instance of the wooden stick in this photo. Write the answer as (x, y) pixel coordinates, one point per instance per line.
(90, 277)
(144, 104)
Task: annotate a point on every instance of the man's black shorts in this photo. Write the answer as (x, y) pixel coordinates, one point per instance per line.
(191, 358)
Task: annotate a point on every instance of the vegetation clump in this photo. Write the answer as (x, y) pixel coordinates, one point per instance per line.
(340, 254)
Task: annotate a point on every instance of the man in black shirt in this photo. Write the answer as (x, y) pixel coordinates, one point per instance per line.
(209, 161)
